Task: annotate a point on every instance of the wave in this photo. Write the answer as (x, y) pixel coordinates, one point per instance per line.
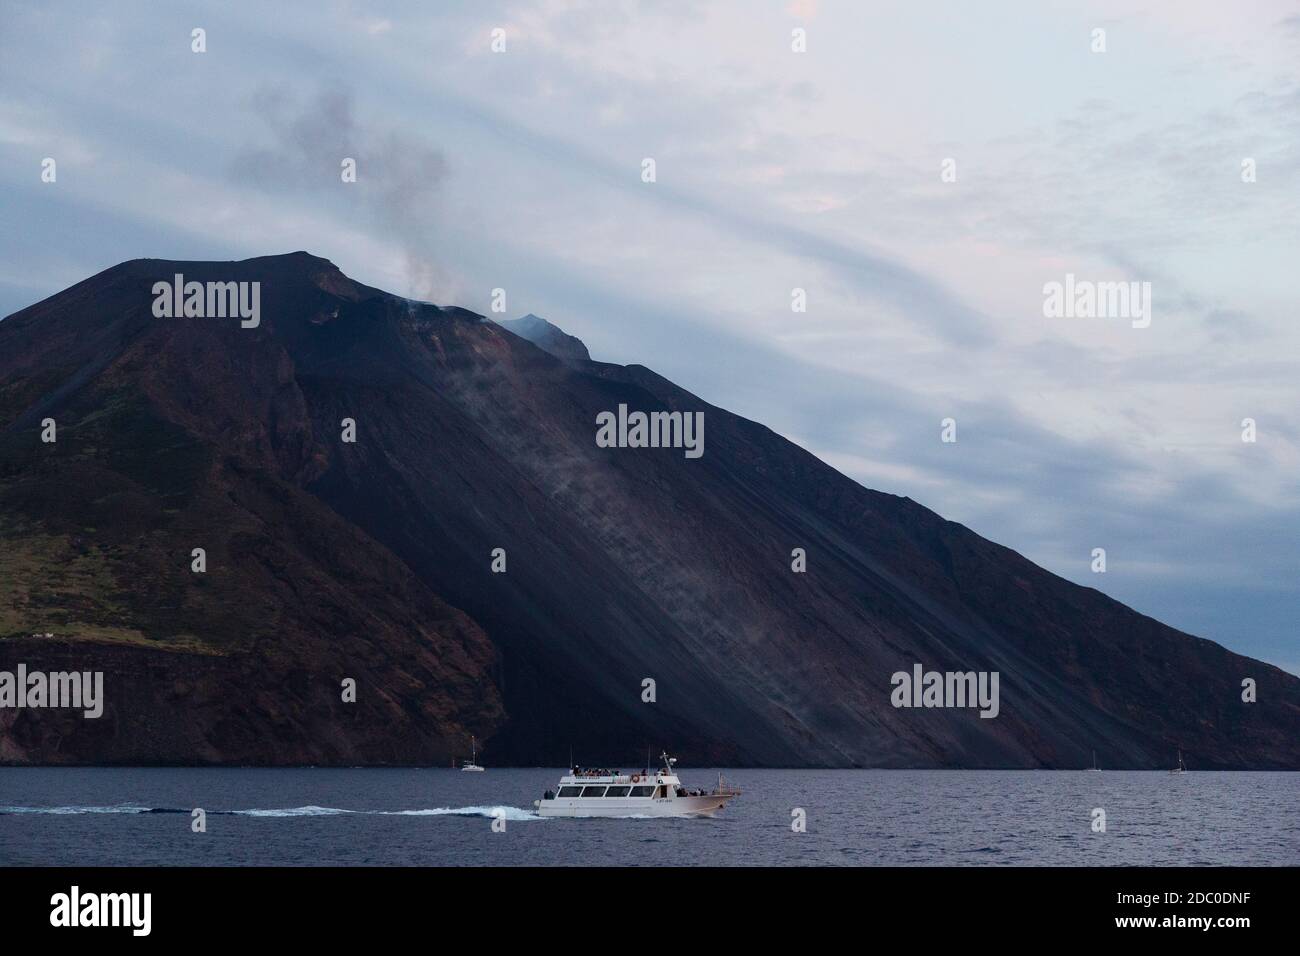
(120, 808)
(509, 813)
(310, 811)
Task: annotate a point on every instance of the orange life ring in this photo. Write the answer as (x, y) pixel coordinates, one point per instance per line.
(636, 778)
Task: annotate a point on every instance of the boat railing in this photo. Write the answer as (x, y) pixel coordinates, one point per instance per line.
(725, 789)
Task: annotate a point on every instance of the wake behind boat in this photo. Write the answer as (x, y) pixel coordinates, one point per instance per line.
(610, 793)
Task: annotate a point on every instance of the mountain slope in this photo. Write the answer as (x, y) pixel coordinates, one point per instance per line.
(373, 559)
(549, 338)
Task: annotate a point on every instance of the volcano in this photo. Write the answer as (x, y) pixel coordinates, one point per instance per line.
(365, 528)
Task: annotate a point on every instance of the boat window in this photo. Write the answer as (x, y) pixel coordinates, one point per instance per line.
(642, 791)
(662, 791)
(570, 791)
(617, 791)
(593, 791)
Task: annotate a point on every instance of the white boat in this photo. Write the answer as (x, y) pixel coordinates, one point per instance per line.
(1182, 767)
(1094, 768)
(471, 765)
(611, 793)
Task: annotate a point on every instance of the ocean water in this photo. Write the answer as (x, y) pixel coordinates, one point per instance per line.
(441, 817)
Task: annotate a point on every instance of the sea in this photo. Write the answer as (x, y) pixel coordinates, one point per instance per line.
(442, 817)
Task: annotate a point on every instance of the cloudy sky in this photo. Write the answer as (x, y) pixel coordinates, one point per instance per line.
(775, 170)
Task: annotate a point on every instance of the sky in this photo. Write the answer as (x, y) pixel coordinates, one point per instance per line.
(1112, 156)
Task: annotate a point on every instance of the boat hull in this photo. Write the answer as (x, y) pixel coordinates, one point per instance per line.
(632, 807)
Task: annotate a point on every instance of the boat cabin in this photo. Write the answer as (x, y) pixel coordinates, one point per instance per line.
(582, 782)
(586, 791)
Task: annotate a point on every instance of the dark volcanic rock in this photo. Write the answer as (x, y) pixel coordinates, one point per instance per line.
(183, 434)
(372, 560)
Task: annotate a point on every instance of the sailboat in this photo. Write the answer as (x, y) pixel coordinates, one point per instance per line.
(1182, 767)
(1094, 768)
(472, 763)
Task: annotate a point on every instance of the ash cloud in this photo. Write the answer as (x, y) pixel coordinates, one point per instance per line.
(399, 175)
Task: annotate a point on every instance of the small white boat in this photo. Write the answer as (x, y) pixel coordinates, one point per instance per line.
(1182, 767)
(1094, 768)
(611, 793)
(471, 765)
